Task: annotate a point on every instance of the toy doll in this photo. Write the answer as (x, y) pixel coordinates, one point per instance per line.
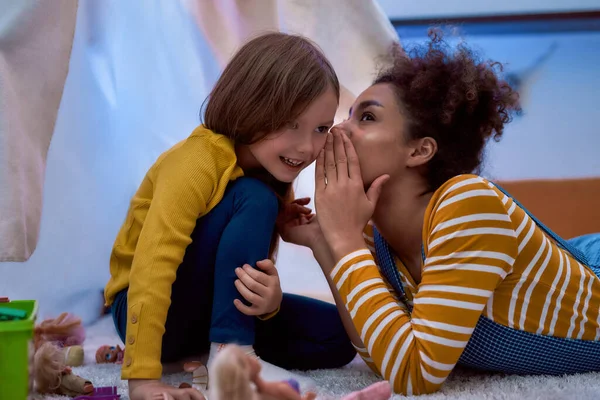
(57, 346)
(236, 376)
(109, 355)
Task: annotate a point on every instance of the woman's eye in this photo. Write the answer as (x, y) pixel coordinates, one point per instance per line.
(323, 129)
(367, 117)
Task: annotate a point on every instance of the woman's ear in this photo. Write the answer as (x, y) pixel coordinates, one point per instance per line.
(422, 151)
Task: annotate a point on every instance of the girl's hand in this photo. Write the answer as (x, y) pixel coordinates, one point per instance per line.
(141, 389)
(304, 231)
(296, 223)
(293, 210)
(343, 206)
(260, 288)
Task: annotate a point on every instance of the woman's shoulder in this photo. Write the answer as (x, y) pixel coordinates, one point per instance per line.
(466, 193)
(461, 184)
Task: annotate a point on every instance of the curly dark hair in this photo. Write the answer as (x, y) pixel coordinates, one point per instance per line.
(450, 95)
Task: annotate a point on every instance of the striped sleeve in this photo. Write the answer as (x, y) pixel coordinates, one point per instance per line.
(470, 246)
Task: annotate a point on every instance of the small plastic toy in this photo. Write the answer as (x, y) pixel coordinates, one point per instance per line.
(101, 393)
(109, 355)
(12, 314)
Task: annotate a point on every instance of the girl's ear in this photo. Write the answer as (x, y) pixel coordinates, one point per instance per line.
(422, 151)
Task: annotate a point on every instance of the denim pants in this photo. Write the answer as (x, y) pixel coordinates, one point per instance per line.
(305, 333)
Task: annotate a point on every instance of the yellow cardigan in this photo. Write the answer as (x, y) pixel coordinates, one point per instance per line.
(185, 183)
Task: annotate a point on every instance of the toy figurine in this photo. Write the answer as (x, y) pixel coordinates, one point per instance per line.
(109, 355)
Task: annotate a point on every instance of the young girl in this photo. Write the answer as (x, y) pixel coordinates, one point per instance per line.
(449, 270)
(204, 217)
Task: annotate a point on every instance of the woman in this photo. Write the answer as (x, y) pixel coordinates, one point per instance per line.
(449, 269)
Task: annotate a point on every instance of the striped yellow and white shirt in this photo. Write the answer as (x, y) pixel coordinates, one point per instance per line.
(483, 255)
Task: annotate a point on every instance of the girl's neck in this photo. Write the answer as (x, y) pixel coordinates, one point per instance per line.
(245, 158)
(399, 218)
(250, 165)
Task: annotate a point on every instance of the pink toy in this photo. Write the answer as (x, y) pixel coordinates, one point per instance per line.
(64, 330)
(377, 391)
(102, 393)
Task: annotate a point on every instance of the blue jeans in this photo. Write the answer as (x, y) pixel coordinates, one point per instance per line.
(305, 334)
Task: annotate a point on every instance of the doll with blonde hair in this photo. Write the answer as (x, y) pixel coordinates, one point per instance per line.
(236, 376)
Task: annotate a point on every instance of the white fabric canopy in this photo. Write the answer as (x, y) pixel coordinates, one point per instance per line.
(35, 46)
(138, 74)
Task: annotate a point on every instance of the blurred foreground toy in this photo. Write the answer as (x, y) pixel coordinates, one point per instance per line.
(101, 393)
(57, 346)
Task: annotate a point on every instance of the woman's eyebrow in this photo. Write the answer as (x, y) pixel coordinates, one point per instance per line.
(366, 103)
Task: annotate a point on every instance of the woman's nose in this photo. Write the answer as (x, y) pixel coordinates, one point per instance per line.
(342, 127)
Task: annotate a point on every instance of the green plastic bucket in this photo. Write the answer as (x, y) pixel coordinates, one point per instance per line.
(16, 352)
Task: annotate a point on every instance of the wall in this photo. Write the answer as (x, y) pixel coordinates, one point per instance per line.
(452, 8)
(558, 135)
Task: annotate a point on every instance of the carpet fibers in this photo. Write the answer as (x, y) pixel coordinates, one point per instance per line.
(332, 384)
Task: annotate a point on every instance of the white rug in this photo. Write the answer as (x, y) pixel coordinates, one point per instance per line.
(332, 384)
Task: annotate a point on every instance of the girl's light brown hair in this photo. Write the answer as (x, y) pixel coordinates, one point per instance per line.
(267, 83)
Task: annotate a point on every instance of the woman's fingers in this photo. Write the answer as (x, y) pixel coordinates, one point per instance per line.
(320, 172)
(341, 160)
(352, 157)
(330, 168)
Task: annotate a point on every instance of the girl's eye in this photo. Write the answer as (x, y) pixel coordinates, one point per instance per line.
(323, 129)
(113, 348)
(367, 117)
(107, 357)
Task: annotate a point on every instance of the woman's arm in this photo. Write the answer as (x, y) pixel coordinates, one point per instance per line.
(470, 245)
(325, 259)
(470, 249)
